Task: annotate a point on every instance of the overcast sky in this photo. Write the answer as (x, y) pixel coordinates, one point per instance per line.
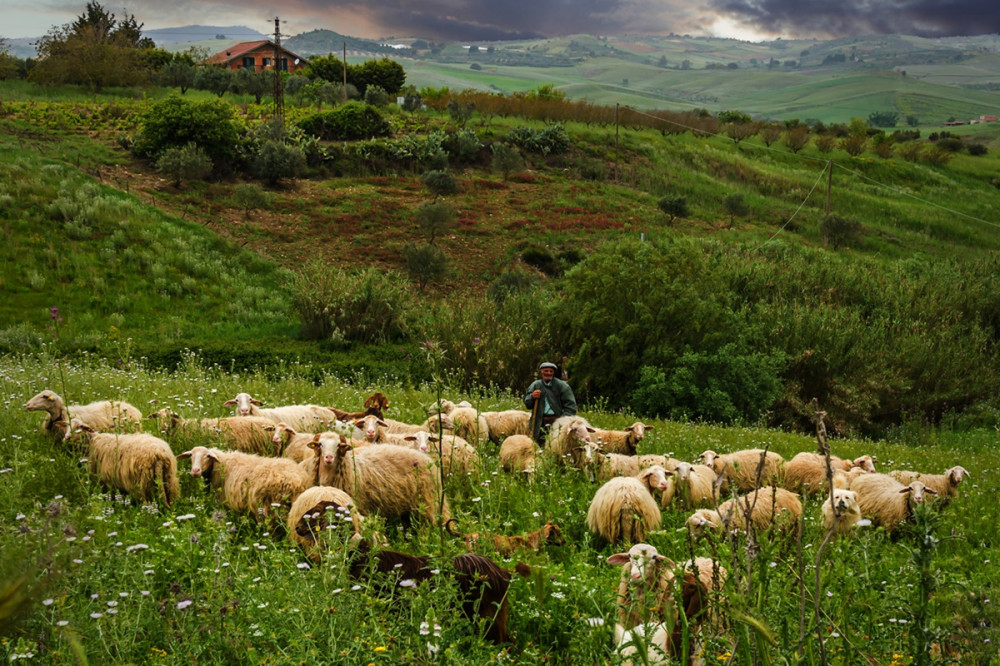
(470, 20)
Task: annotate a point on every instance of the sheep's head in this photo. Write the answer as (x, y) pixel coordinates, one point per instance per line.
(703, 520)
(638, 430)
(326, 445)
(442, 406)
(377, 401)
(586, 453)
(916, 491)
(244, 404)
(282, 433)
(580, 431)
(422, 440)
(552, 534)
(683, 470)
(642, 561)
(713, 460)
(865, 463)
(956, 474)
(844, 501)
(46, 401)
(654, 477)
(202, 460)
(369, 426)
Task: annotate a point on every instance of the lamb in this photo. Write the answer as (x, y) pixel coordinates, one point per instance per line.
(945, 485)
(845, 506)
(517, 454)
(767, 506)
(300, 417)
(248, 483)
(550, 533)
(139, 464)
(452, 452)
(694, 486)
(375, 404)
(645, 594)
(622, 441)
(317, 510)
(887, 502)
(101, 416)
(623, 509)
(806, 472)
(250, 434)
(482, 584)
(568, 437)
(388, 480)
(507, 423)
(741, 468)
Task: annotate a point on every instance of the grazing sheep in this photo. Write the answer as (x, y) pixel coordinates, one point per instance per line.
(806, 472)
(645, 593)
(430, 425)
(370, 429)
(482, 585)
(887, 502)
(248, 483)
(467, 423)
(502, 425)
(767, 506)
(622, 441)
(451, 451)
(623, 509)
(651, 638)
(250, 434)
(568, 436)
(388, 480)
(610, 465)
(298, 445)
(317, 510)
(741, 468)
(101, 416)
(517, 454)
(844, 508)
(300, 417)
(550, 534)
(694, 486)
(139, 464)
(945, 485)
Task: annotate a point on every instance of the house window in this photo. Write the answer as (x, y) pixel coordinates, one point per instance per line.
(267, 62)
(283, 64)
(248, 63)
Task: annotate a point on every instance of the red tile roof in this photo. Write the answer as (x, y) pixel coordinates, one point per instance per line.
(239, 50)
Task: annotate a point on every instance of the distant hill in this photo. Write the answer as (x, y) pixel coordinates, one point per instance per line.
(22, 47)
(198, 33)
(321, 42)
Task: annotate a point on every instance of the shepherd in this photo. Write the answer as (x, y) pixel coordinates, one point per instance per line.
(548, 398)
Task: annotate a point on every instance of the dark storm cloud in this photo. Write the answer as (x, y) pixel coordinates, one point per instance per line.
(837, 18)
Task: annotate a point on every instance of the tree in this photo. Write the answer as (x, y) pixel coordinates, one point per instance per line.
(177, 122)
(218, 80)
(854, 144)
(735, 207)
(435, 219)
(184, 163)
(388, 74)
(797, 138)
(675, 206)
(178, 74)
(257, 84)
(883, 118)
(251, 196)
(425, 263)
(506, 159)
(276, 161)
(771, 133)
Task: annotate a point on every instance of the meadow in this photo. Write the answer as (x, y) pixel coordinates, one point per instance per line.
(88, 578)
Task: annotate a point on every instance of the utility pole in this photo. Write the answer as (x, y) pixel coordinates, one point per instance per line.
(279, 89)
(345, 71)
(829, 185)
(617, 146)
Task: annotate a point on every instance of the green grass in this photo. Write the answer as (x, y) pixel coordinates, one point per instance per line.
(142, 583)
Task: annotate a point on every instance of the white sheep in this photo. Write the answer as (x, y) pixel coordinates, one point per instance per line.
(430, 425)
(250, 434)
(945, 485)
(623, 509)
(694, 486)
(651, 638)
(887, 502)
(610, 465)
(320, 509)
(139, 464)
(744, 468)
(843, 480)
(389, 480)
(506, 423)
(300, 417)
(843, 509)
(767, 506)
(805, 473)
(517, 454)
(370, 429)
(622, 441)
(101, 416)
(248, 483)
(452, 452)
(569, 439)
(467, 423)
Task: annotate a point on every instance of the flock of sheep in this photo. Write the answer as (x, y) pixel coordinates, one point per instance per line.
(324, 467)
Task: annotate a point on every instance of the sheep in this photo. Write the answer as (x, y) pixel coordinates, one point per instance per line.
(805, 473)
(467, 423)
(506, 423)
(623, 509)
(430, 425)
(250, 434)
(841, 508)
(139, 464)
(375, 404)
(300, 417)
(248, 483)
(371, 429)
(694, 486)
(388, 480)
(452, 452)
(646, 593)
(651, 638)
(843, 480)
(568, 437)
(310, 516)
(743, 468)
(482, 584)
(945, 485)
(767, 506)
(517, 454)
(887, 502)
(101, 416)
(610, 465)
(550, 533)
(622, 441)
(296, 445)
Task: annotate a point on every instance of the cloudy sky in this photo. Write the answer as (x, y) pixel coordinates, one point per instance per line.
(511, 19)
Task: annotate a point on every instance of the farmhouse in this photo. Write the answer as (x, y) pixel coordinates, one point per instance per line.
(257, 56)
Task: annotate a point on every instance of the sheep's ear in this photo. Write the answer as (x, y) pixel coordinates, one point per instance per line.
(229, 403)
(410, 438)
(186, 454)
(591, 430)
(618, 558)
(433, 438)
(314, 444)
(343, 447)
(930, 491)
(905, 489)
(83, 427)
(648, 427)
(383, 423)
(255, 401)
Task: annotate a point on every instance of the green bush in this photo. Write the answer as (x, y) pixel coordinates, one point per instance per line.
(551, 140)
(541, 259)
(175, 122)
(513, 281)
(276, 161)
(463, 146)
(349, 122)
(674, 206)
(440, 183)
(838, 232)
(506, 159)
(250, 197)
(184, 163)
(376, 96)
(364, 305)
(977, 149)
(425, 264)
(435, 219)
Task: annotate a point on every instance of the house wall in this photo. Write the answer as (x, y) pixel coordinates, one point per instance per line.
(261, 59)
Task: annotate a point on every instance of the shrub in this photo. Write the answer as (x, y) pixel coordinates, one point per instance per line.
(361, 305)
(735, 206)
(854, 144)
(411, 99)
(551, 140)
(951, 144)
(440, 183)
(825, 143)
(674, 206)
(435, 219)
(184, 163)
(276, 161)
(463, 146)
(977, 149)
(910, 151)
(349, 122)
(839, 231)
(937, 156)
(376, 96)
(251, 196)
(175, 122)
(506, 159)
(425, 263)
(541, 259)
(512, 281)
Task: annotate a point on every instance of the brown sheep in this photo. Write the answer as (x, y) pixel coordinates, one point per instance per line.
(548, 534)
(805, 473)
(317, 510)
(746, 469)
(767, 506)
(101, 416)
(622, 441)
(623, 509)
(945, 485)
